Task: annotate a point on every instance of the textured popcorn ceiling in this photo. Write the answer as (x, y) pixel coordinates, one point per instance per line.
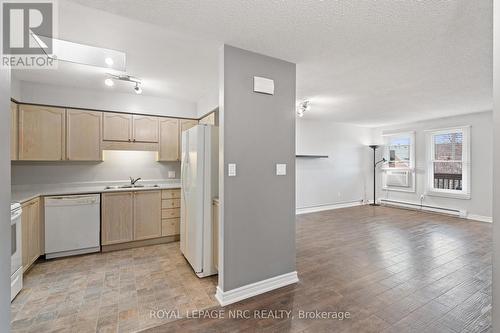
(366, 62)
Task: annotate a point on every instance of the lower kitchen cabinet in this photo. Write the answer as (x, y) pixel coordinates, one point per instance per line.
(170, 212)
(31, 233)
(147, 214)
(138, 216)
(117, 218)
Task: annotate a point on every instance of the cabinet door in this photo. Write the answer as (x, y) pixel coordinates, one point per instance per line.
(41, 133)
(187, 124)
(34, 231)
(31, 233)
(83, 136)
(208, 119)
(13, 131)
(117, 218)
(147, 214)
(117, 126)
(169, 139)
(145, 129)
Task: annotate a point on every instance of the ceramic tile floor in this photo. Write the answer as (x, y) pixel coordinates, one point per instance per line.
(109, 292)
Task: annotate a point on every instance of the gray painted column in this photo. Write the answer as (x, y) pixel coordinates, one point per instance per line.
(257, 132)
(496, 168)
(4, 197)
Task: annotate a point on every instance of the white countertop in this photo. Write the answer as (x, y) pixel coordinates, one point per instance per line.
(23, 193)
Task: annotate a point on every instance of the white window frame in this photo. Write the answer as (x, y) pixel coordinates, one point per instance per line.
(411, 168)
(466, 163)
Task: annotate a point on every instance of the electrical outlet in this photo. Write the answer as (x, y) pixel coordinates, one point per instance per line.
(171, 174)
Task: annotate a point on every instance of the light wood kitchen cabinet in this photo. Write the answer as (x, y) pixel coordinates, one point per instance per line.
(83, 137)
(170, 212)
(147, 214)
(117, 127)
(170, 227)
(41, 133)
(144, 129)
(31, 233)
(209, 119)
(13, 131)
(117, 218)
(169, 140)
(187, 124)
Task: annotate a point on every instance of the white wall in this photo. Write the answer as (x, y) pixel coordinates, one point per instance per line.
(496, 145)
(344, 176)
(481, 167)
(117, 166)
(208, 103)
(30, 92)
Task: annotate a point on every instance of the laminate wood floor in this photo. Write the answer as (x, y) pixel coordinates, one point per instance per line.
(109, 292)
(393, 270)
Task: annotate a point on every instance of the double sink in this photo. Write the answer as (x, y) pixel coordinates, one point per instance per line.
(130, 186)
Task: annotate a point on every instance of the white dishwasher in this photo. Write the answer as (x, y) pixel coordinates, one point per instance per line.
(72, 225)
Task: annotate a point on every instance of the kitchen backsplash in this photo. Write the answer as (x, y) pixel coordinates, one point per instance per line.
(117, 166)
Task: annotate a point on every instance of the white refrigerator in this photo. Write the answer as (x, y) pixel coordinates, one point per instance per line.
(200, 184)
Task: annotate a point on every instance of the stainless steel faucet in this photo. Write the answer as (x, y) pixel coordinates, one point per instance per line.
(133, 181)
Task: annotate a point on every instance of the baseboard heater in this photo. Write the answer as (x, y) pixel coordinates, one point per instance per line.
(426, 207)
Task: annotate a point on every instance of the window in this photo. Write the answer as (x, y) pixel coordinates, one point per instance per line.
(399, 169)
(448, 162)
(399, 150)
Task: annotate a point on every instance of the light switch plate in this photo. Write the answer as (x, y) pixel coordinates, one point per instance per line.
(280, 169)
(171, 174)
(263, 85)
(231, 169)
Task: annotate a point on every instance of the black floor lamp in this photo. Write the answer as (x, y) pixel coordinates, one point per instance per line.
(375, 163)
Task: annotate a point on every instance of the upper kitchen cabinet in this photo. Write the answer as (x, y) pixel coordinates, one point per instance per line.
(169, 140)
(83, 139)
(13, 131)
(145, 129)
(187, 124)
(117, 127)
(41, 133)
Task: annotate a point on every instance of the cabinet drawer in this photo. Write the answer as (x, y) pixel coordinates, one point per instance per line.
(170, 213)
(171, 194)
(170, 227)
(171, 203)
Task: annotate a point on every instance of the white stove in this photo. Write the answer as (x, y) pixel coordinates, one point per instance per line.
(16, 267)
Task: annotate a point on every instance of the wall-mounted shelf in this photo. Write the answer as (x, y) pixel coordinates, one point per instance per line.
(311, 156)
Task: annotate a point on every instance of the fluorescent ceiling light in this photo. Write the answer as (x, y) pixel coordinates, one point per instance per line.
(83, 54)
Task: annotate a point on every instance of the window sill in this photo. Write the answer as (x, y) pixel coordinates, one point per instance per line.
(444, 194)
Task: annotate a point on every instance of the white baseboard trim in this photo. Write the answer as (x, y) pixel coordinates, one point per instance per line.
(321, 208)
(254, 289)
(480, 218)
